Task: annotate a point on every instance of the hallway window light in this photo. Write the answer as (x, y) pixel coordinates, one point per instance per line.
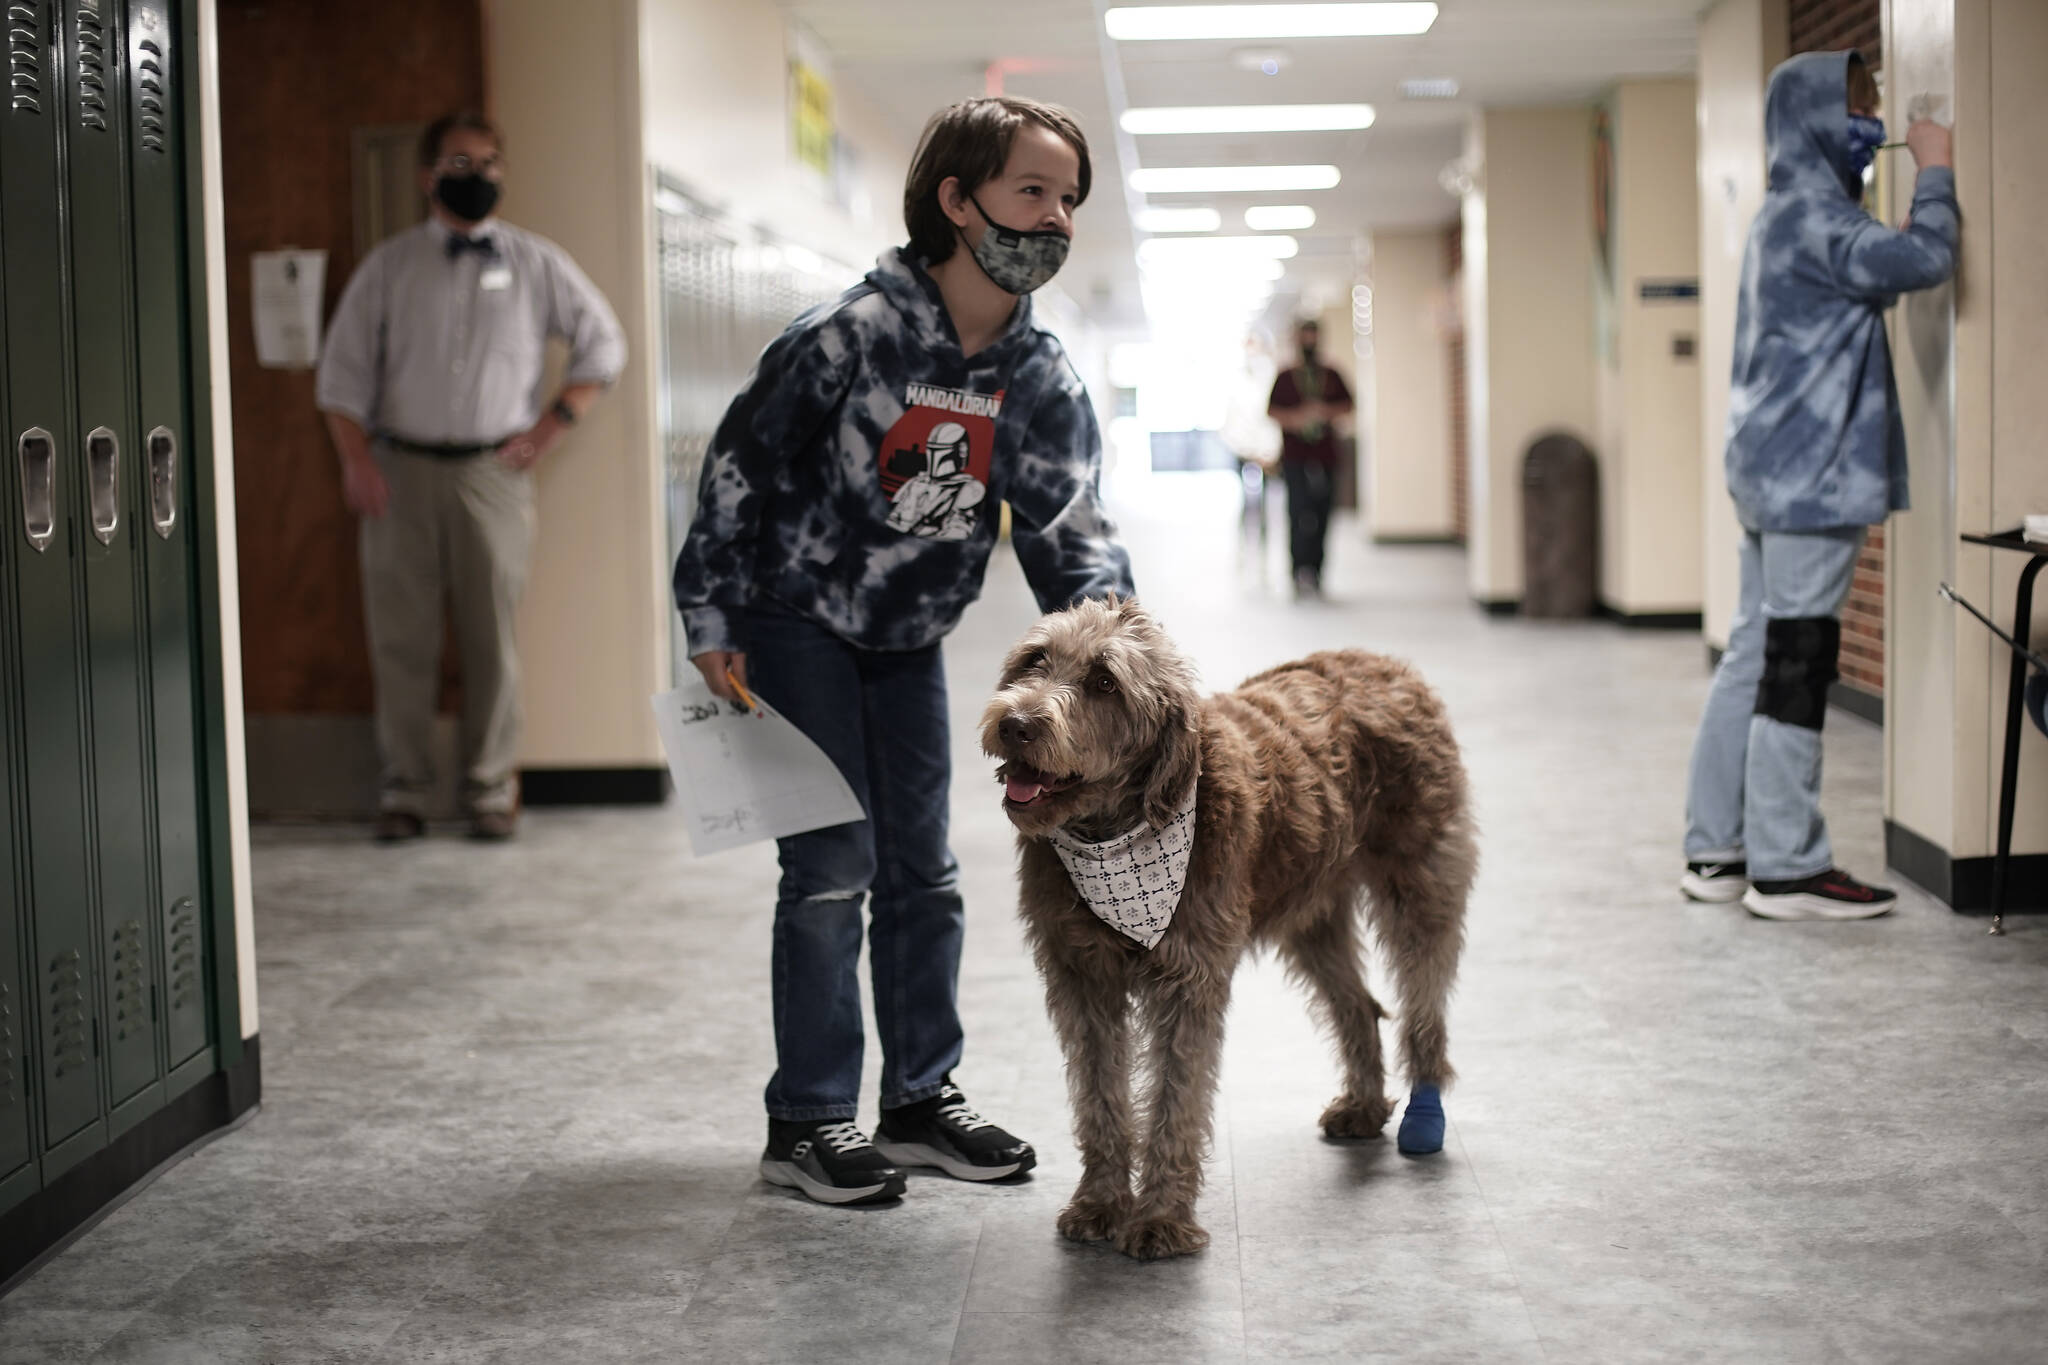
(1188, 22)
(1279, 217)
(1233, 179)
(1249, 118)
(1179, 220)
(1164, 250)
(1193, 273)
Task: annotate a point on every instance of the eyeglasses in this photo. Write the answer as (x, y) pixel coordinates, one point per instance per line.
(491, 167)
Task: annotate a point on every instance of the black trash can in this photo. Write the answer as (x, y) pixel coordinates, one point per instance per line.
(1560, 528)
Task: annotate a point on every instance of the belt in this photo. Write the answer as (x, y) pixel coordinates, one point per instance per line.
(446, 451)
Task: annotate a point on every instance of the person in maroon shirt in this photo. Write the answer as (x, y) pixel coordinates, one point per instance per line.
(1305, 400)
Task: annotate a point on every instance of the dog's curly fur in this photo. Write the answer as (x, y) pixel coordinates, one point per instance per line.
(1323, 783)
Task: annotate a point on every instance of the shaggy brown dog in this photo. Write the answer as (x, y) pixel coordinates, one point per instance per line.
(1322, 783)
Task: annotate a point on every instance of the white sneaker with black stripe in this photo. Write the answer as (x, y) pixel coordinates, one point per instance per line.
(831, 1160)
(1717, 882)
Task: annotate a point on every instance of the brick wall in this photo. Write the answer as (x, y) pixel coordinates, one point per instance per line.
(1461, 469)
(1829, 26)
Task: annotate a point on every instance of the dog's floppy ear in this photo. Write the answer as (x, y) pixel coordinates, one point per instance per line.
(1176, 763)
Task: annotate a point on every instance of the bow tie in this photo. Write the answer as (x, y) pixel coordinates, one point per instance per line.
(485, 246)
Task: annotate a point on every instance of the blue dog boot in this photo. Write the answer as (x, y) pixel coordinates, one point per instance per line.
(1422, 1127)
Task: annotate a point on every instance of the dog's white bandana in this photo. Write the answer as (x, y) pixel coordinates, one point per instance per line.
(1133, 882)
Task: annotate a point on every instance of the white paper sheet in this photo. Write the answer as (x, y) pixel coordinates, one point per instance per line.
(285, 292)
(743, 776)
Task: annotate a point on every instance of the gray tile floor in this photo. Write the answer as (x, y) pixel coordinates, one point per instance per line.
(511, 1095)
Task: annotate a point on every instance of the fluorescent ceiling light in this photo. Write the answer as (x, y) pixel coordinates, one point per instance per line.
(1179, 220)
(1249, 118)
(1430, 88)
(1154, 22)
(1279, 217)
(1232, 179)
(1174, 249)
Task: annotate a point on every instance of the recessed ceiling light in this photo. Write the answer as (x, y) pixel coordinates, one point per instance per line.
(1179, 220)
(1156, 22)
(1232, 179)
(1249, 118)
(1430, 88)
(1202, 272)
(1166, 250)
(1279, 217)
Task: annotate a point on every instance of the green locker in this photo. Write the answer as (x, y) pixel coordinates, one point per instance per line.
(43, 518)
(103, 343)
(163, 523)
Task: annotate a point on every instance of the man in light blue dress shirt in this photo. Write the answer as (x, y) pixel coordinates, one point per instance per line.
(432, 381)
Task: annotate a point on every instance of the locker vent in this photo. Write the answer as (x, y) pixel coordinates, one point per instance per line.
(10, 1075)
(69, 1041)
(25, 43)
(92, 66)
(155, 127)
(183, 938)
(131, 981)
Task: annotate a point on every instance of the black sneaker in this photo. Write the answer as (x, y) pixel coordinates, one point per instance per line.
(1834, 894)
(1715, 882)
(944, 1131)
(830, 1160)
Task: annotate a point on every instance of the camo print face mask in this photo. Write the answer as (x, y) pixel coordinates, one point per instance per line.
(1018, 262)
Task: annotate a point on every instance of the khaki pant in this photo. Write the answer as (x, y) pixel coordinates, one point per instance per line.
(458, 531)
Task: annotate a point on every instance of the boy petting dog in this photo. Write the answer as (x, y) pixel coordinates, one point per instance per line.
(845, 516)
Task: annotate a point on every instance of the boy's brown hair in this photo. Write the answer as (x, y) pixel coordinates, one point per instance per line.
(1862, 84)
(972, 140)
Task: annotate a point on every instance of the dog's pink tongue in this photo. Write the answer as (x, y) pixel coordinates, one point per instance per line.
(1022, 792)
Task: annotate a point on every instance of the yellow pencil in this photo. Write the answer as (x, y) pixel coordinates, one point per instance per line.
(740, 688)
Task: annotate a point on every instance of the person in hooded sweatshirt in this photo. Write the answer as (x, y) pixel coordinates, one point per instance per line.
(1816, 455)
(846, 513)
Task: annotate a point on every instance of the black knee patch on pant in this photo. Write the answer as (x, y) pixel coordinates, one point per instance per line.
(1800, 655)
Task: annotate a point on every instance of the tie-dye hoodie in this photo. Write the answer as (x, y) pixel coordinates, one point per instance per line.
(1814, 436)
(856, 477)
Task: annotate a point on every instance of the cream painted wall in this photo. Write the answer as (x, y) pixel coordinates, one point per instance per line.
(1968, 363)
(715, 77)
(1648, 398)
(1740, 42)
(1409, 471)
(1529, 314)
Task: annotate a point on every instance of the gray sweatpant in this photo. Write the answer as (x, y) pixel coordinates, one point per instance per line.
(459, 532)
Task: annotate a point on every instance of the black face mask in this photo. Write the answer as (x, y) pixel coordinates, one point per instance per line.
(469, 197)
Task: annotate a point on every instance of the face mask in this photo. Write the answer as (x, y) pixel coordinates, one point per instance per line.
(1866, 135)
(469, 197)
(1018, 262)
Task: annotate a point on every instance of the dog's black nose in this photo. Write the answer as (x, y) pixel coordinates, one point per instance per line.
(1015, 730)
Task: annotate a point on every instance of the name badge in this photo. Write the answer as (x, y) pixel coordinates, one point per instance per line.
(496, 277)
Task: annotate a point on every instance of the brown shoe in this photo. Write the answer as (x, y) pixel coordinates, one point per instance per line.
(494, 826)
(398, 826)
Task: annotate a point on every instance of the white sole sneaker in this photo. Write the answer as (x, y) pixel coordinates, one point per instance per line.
(1713, 890)
(1804, 905)
(918, 1154)
(792, 1176)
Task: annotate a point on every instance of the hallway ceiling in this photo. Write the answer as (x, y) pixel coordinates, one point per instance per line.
(909, 57)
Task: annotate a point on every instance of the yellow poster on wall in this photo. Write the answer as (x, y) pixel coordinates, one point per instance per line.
(813, 136)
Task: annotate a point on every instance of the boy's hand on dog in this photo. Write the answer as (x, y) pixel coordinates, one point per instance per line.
(713, 663)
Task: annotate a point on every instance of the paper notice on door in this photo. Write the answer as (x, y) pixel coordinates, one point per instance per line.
(286, 288)
(743, 776)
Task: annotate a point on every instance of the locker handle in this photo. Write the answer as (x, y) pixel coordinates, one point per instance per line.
(103, 464)
(163, 480)
(38, 455)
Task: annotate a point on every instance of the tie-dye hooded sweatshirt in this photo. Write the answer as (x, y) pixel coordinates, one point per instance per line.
(1814, 435)
(856, 478)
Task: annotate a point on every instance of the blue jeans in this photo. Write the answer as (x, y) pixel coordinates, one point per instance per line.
(1754, 791)
(881, 717)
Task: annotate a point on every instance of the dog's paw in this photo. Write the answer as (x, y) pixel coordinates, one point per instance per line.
(1159, 1236)
(1088, 1219)
(1348, 1117)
